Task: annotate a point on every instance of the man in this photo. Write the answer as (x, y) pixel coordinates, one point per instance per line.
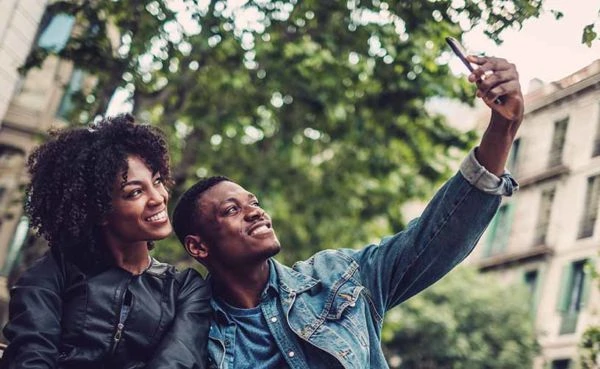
(327, 312)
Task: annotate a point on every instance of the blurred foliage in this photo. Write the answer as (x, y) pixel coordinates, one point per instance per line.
(589, 34)
(589, 348)
(316, 106)
(465, 321)
(589, 344)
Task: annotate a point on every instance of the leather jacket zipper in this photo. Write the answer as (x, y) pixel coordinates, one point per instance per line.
(118, 333)
(122, 313)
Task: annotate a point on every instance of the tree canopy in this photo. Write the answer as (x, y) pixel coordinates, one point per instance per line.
(319, 107)
(465, 321)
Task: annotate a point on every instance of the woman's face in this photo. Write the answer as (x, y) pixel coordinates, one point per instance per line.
(139, 206)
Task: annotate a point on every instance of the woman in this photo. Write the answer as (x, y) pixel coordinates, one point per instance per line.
(97, 299)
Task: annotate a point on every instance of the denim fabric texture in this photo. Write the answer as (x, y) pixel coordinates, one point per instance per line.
(327, 311)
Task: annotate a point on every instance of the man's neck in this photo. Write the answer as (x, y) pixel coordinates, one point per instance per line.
(241, 288)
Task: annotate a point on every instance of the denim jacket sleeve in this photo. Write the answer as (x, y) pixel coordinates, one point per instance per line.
(35, 310)
(185, 345)
(430, 246)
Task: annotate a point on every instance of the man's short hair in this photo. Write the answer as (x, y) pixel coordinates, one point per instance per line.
(186, 213)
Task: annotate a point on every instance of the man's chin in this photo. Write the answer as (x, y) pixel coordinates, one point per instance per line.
(272, 251)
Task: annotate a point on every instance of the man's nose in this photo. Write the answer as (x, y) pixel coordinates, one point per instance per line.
(254, 212)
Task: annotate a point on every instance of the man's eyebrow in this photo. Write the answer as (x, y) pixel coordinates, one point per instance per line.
(229, 199)
(233, 199)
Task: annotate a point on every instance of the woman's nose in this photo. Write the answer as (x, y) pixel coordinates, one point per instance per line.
(157, 196)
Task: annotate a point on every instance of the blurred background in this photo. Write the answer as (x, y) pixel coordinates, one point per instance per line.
(343, 117)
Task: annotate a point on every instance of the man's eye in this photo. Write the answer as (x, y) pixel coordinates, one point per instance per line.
(158, 180)
(255, 203)
(230, 210)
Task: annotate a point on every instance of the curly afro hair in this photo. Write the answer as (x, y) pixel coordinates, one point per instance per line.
(72, 178)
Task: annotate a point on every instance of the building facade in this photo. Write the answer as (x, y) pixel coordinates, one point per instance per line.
(30, 104)
(547, 235)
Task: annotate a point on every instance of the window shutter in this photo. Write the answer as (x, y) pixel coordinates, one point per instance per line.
(587, 282)
(565, 288)
(538, 289)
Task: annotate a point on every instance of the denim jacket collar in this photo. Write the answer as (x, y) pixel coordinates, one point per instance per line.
(281, 278)
(290, 280)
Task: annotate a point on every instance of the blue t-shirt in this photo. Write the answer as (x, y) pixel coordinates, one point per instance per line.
(253, 340)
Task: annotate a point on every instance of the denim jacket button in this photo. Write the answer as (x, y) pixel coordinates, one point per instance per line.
(291, 354)
(273, 319)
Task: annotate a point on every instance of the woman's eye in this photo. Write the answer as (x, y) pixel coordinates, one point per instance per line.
(158, 180)
(134, 193)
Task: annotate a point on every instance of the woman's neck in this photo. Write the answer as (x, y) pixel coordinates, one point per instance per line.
(133, 258)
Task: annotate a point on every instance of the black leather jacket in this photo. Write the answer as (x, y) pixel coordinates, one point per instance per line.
(62, 318)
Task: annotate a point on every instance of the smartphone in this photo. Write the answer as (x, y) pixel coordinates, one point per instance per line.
(460, 52)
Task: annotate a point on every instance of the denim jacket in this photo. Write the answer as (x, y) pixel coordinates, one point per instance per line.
(327, 311)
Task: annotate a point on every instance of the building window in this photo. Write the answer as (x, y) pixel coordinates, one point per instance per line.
(543, 222)
(68, 102)
(2, 206)
(499, 231)
(56, 33)
(513, 156)
(596, 147)
(2, 191)
(531, 283)
(561, 364)
(590, 211)
(573, 294)
(15, 246)
(10, 157)
(558, 142)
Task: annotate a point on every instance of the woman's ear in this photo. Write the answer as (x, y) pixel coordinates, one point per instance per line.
(195, 247)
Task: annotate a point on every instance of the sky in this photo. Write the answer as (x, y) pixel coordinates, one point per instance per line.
(545, 48)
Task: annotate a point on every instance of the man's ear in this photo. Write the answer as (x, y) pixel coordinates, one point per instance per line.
(195, 247)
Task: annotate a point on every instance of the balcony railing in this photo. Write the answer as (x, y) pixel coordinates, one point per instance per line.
(596, 148)
(586, 228)
(529, 179)
(505, 259)
(568, 323)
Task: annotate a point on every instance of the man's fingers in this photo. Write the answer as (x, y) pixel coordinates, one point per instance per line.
(501, 90)
(491, 65)
(499, 80)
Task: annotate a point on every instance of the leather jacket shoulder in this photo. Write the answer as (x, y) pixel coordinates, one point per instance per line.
(59, 317)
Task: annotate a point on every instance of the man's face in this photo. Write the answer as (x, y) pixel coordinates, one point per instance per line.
(236, 231)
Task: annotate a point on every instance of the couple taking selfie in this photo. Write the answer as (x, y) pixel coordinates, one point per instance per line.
(98, 299)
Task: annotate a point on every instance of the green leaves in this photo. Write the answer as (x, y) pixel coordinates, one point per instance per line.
(589, 35)
(465, 321)
(316, 106)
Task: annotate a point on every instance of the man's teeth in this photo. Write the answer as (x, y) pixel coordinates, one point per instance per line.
(160, 216)
(260, 229)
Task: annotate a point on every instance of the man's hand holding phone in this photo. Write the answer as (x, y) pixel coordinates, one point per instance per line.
(497, 82)
(498, 86)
